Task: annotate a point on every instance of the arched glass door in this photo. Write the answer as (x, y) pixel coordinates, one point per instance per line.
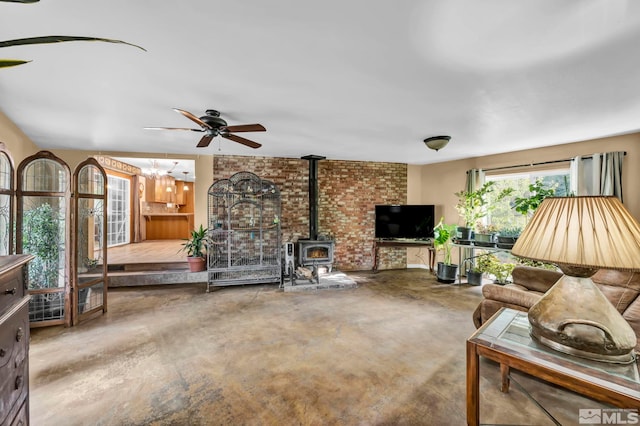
(7, 246)
(90, 258)
(43, 216)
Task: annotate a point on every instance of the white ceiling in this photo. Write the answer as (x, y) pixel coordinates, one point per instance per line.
(356, 80)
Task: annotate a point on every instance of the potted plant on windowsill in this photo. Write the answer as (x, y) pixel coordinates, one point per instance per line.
(443, 235)
(195, 246)
(484, 235)
(474, 205)
(507, 237)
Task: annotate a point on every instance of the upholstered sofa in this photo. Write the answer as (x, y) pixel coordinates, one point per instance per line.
(529, 284)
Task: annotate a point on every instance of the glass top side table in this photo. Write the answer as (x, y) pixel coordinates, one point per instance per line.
(505, 339)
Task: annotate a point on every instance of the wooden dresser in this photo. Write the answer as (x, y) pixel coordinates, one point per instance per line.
(14, 340)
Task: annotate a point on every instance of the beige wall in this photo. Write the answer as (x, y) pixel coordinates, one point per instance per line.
(16, 142)
(439, 182)
(204, 174)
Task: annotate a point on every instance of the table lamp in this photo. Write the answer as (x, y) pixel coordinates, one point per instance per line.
(581, 235)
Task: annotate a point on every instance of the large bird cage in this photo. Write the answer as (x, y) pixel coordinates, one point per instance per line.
(244, 231)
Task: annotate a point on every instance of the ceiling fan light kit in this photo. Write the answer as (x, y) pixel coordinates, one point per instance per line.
(437, 142)
(213, 125)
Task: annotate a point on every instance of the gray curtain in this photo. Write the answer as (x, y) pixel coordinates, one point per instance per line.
(598, 174)
(475, 177)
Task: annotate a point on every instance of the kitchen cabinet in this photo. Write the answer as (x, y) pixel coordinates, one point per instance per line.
(180, 192)
(156, 189)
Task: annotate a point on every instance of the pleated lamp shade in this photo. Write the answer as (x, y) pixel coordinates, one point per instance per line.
(581, 235)
(591, 232)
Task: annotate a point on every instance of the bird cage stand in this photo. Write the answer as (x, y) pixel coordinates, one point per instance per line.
(243, 231)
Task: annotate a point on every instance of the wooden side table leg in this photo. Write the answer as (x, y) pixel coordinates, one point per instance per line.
(504, 374)
(375, 257)
(473, 386)
(432, 258)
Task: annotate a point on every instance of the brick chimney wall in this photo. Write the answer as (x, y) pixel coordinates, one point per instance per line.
(348, 192)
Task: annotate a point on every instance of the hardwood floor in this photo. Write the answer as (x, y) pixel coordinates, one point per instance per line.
(150, 251)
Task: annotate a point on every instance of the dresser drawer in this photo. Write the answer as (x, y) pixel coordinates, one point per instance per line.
(14, 373)
(12, 288)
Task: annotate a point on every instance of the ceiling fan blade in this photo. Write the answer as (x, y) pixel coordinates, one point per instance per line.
(205, 141)
(193, 118)
(173, 128)
(246, 128)
(241, 140)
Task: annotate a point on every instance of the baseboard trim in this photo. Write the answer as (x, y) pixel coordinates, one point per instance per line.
(417, 265)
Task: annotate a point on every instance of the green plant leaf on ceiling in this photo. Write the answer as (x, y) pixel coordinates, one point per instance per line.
(51, 39)
(60, 39)
(5, 63)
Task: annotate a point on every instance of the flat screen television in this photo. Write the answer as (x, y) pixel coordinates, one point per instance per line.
(405, 221)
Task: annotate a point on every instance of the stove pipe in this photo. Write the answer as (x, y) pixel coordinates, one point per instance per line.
(313, 194)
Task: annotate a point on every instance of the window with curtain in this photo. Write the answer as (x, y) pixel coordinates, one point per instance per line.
(503, 215)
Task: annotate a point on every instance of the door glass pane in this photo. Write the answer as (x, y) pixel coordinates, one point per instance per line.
(46, 306)
(43, 235)
(5, 172)
(90, 181)
(90, 297)
(5, 224)
(89, 234)
(118, 215)
(44, 175)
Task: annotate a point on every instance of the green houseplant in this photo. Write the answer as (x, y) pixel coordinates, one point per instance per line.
(41, 233)
(196, 246)
(508, 236)
(474, 205)
(537, 192)
(485, 235)
(474, 275)
(490, 264)
(442, 242)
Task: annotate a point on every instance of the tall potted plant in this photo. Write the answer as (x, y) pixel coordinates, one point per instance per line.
(474, 205)
(443, 235)
(195, 246)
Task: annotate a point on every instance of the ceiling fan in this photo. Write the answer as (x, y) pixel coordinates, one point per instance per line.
(212, 125)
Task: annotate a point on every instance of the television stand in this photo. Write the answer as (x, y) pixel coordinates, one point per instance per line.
(404, 242)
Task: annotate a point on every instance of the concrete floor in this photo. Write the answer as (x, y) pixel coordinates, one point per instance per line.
(391, 351)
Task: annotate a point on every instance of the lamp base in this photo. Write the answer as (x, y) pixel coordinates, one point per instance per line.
(613, 359)
(574, 317)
